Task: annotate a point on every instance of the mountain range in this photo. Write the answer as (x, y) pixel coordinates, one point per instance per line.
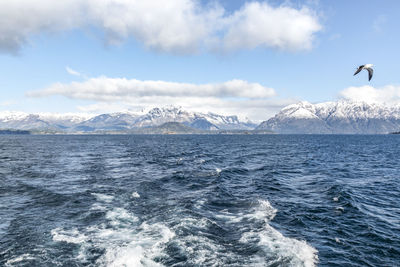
(122, 121)
(341, 117)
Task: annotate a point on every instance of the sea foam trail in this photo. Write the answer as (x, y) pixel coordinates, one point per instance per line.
(274, 248)
(125, 242)
(278, 249)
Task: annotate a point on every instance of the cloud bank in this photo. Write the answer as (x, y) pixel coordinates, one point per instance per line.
(115, 94)
(117, 89)
(389, 94)
(173, 26)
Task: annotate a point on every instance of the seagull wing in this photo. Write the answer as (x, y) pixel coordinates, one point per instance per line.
(370, 73)
(358, 70)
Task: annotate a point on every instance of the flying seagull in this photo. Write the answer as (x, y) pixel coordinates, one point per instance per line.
(367, 67)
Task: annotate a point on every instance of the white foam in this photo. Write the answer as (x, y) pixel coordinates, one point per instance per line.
(275, 247)
(125, 241)
(203, 251)
(97, 206)
(142, 247)
(278, 247)
(69, 236)
(229, 217)
(120, 216)
(135, 195)
(274, 244)
(192, 222)
(103, 197)
(264, 211)
(15, 261)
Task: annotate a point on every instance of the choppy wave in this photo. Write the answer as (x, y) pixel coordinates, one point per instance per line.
(125, 241)
(121, 240)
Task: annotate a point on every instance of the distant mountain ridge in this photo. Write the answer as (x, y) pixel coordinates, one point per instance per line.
(121, 121)
(342, 117)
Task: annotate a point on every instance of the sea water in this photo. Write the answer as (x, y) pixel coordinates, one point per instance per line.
(206, 200)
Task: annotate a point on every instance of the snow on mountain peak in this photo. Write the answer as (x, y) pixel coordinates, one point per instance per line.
(120, 120)
(335, 117)
(12, 115)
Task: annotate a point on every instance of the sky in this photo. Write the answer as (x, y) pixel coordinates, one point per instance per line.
(232, 57)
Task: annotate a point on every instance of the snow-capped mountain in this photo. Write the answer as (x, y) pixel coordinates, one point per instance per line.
(203, 121)
(342, 117)
(43, 121)
(113, 122)
(120, 121)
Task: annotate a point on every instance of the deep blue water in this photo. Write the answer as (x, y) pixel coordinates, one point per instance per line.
(272, 200)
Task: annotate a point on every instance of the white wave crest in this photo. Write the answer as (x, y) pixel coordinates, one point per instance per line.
(120, 216)
(124, 240)
(103, 197)
(142, 247)
(280, 249)
(69, 236)
(264, 211)
(135, 195)
(277, 248)
(17, 260)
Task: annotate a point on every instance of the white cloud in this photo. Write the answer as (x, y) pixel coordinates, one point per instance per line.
(177, 26)
(117, 89)
(20, 19)
(115, 94)
(261, 25)
(389, 94)
(72, 72)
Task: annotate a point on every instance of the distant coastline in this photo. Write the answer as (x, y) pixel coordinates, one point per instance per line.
(19, 132)
(168, 128)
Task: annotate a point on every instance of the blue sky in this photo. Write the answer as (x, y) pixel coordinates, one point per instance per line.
(249, 58)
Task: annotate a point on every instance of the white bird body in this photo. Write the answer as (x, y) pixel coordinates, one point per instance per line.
(367, 67)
